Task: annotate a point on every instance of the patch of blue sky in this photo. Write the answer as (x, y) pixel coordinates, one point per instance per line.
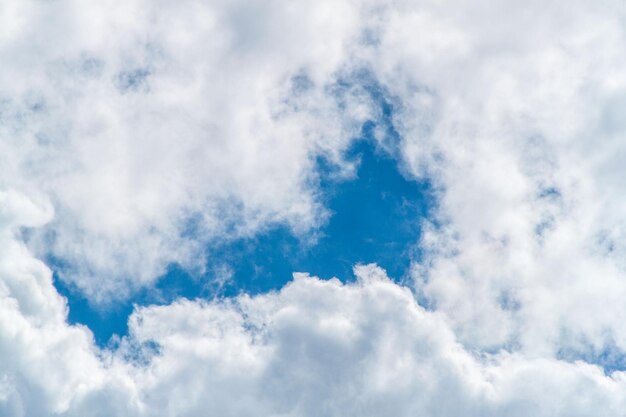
(610, 358)
(376, 217)
(112, 319)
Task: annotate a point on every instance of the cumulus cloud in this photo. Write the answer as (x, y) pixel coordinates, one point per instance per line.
(512, 114)
(134, 133)
(314, 348)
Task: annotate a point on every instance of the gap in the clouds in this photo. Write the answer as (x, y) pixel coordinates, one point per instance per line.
(375, 217)
(609, 357)
(109, 320)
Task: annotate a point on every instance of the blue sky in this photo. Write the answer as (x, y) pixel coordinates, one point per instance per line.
(375, 218)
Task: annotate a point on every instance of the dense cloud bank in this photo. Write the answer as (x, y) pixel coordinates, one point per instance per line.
(134, 133)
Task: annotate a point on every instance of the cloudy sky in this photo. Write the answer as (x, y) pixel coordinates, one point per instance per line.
(312, 208)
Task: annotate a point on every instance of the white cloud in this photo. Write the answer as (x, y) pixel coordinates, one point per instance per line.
(314, 348)
(140, 118)
(123, 125)
(510, 109)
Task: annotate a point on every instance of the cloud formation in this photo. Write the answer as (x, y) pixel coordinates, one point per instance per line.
(314, 348)
(517, 124)
(154, 128)
(134, 133)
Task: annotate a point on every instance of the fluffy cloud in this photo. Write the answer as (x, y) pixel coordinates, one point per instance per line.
(513, 114)
(314, 348)
(134, 133)
(156, 128)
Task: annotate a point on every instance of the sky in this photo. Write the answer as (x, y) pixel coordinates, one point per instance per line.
(330, 208)
(375, 217)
